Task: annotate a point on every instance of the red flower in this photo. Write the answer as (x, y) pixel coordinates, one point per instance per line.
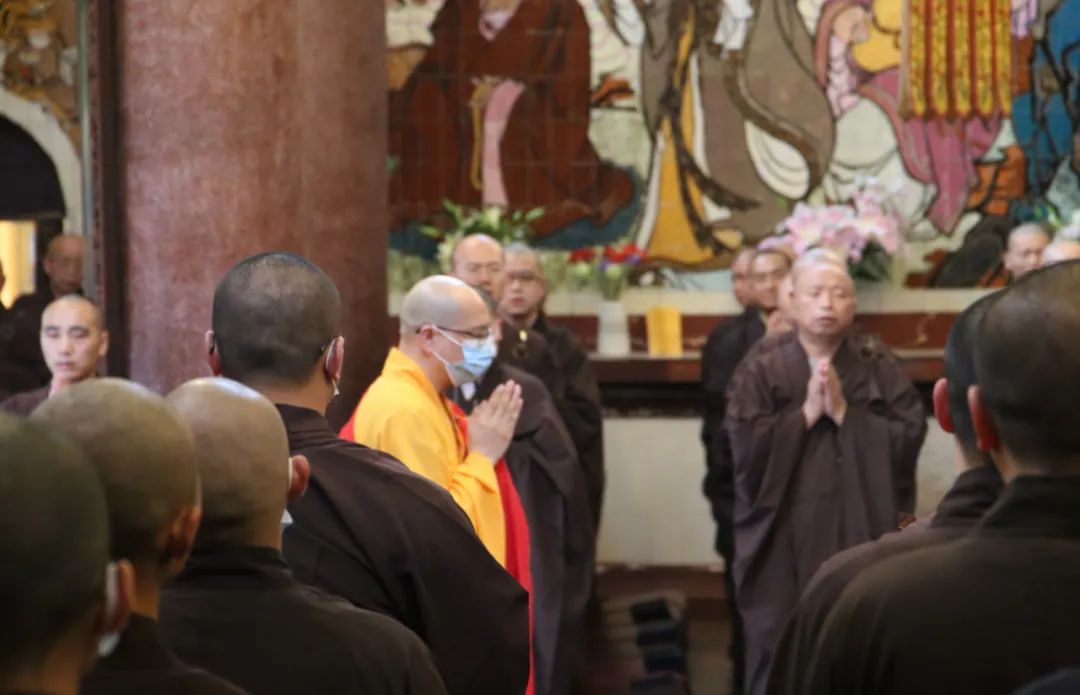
(585, 255)
(629, 254)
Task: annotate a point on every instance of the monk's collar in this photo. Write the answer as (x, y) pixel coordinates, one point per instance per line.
(1043, 506)
(400, 365)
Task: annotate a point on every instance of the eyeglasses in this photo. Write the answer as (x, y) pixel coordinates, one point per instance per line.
(475, 334)
(524, 278)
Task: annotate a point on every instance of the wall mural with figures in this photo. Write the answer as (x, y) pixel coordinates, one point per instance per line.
(692, 127)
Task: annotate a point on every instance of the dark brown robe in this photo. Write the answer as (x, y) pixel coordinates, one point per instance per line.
(724, 350)
(26, 402)
(371, 531)
(579, 405)
(987, 614)
(803, 495)
(227, 594)
(547, 159)
(549, 481)
(24, 368)
(141, 664)
(963, 506)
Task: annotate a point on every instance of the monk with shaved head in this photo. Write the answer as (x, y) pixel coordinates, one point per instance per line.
(825, 429)
(73, 340)
(479, 261)
(368, 529)
(63, 266)
(145, 457)
(997, 609)
(237, 582)
(757, 289)
(1024, 248)
(446, 341)
(55, 595)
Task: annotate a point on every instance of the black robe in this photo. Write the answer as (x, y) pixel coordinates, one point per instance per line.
(549, 481)
(24, 367)
(26, 402)
(801, 496)
(987, 614)
(371, 531)
(725, 348)
(970, 496)
(226, 595)
(140, 664)
(578, 402)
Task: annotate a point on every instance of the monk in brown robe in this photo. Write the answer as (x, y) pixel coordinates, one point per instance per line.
(975, 490)
(825, 430)
(725, 349)
(573, 385)
(551, 484)
(497, 113)
(997, 609)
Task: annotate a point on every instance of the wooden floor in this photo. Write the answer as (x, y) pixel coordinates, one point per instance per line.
(615, 662)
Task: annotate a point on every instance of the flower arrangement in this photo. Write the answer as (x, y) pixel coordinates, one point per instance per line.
(864, 231)
(505, 226)
(609, 267)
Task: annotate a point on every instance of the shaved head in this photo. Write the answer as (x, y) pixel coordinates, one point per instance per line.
(740, 274)
(73, 338)
(77, 303)
(1028, 372)
(274, 316)
(524, 251)
(824, 295)
(54, 543)
(478, 259)
(441, 300)
(1024, 247)
(526, 285)
(63, 263)
(243, 455)
(142, 451)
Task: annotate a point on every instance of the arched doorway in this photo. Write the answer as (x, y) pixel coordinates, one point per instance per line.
(32, 207)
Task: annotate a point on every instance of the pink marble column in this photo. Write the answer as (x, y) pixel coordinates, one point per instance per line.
(247, 126)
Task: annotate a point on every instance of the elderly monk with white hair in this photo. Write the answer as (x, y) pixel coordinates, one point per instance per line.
(825, 430)
(446, 341)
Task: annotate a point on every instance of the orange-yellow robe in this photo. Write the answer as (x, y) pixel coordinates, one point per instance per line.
(403, 415)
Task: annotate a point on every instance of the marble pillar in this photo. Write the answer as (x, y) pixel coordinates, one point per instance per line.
(248, 126)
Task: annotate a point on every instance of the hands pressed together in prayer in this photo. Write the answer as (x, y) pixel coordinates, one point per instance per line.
(492, 423)
(824, 395)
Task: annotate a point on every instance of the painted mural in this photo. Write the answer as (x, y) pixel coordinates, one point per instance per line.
(693, 127)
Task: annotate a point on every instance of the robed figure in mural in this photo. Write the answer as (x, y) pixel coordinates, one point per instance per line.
(497, 113)
(741, 128)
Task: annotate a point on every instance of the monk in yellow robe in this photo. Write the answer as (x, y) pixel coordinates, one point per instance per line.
(445, 341)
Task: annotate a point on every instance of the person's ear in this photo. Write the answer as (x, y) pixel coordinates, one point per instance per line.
(335, 359)
(213, 357)
(180, 538)
(103, 348)
(941, 406)
(986, 434)
(110, 619)
(301, 474)
(116, 621)
(497, 330)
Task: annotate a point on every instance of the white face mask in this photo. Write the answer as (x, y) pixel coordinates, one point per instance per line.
(107, 642)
